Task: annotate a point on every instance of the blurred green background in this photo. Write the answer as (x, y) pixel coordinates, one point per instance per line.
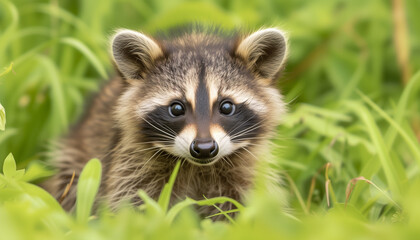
(351, 81)
(59, 52)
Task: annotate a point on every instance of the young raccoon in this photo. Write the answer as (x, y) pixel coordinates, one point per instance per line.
(201, 97)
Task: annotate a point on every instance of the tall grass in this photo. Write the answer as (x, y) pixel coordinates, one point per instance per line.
(354, 118)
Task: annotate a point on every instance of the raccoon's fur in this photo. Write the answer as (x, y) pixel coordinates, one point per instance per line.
(203, 98)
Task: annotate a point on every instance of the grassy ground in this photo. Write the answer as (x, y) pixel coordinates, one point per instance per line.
(352, 82)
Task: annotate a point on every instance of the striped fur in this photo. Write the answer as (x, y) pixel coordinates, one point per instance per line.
(129, 128)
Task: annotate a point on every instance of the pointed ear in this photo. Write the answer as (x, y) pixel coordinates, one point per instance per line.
(264, 52)
(134, 53)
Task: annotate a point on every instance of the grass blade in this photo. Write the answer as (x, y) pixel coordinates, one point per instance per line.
(7, 33)
(9, 166)
(87, 188)
(2, 118)
(88, 54)
(166, 193)
(382, 150)
(297, 194)
(215, 200)
(59, 115)
(7, 70)
(413, 145)
(352, 184)
(175, 210)
(154, 207)
(400, 111)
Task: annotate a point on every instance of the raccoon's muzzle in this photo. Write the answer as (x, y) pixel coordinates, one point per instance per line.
(203, 147)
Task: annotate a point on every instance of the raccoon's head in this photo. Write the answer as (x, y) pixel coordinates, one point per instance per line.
(199, 97)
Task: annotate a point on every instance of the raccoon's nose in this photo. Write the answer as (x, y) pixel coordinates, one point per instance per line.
(204, 148)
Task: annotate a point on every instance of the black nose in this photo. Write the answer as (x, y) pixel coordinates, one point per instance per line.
(204, 148)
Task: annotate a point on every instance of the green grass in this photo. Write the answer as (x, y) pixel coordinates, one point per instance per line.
(354, 119)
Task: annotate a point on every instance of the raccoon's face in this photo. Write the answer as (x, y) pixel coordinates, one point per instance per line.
(199, 97)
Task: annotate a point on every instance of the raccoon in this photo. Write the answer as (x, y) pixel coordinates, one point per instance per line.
(204, 98)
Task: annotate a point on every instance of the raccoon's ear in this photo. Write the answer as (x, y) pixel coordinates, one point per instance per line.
(264, 52)
(134, 53)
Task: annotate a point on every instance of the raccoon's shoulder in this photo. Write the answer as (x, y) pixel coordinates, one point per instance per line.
(96, 121)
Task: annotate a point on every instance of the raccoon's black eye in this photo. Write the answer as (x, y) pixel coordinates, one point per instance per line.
(176, 109)
(227, 108)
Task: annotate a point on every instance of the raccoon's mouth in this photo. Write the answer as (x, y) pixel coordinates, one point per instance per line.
(192, 160)
(203, 162)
